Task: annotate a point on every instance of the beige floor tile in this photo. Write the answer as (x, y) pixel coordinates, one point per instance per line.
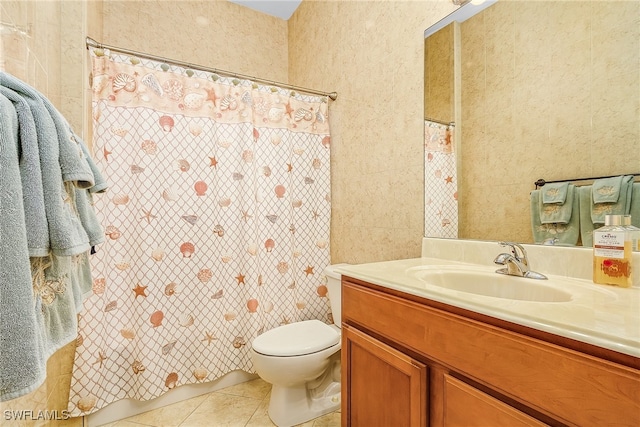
(168, 416)
(332, 419)
(257, 389)
(222, 410)
(124, 423)
(260, 417)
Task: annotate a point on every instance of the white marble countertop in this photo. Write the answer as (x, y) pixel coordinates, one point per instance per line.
(604, 316)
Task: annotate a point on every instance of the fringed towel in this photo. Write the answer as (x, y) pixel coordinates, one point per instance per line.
(46, 184)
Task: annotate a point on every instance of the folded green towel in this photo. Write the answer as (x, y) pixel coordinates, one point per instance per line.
(567, 234)
(608, 197)
(554, 212)
(555, 192)
(606, 190)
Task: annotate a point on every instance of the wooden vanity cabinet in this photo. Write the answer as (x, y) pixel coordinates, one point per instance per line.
(410, 361)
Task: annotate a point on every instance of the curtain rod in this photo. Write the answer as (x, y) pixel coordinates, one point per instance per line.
(452, 124)
(541, 182)
(92, 43)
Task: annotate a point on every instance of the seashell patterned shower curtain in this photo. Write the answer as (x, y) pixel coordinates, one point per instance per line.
(217, 220)
(440, 181)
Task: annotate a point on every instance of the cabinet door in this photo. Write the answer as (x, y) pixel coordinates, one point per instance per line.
(466, 406)
(381, 386)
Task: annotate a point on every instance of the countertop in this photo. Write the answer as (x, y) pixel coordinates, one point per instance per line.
(605, 316)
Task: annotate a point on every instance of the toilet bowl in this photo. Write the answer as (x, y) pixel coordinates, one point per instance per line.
(301, 360)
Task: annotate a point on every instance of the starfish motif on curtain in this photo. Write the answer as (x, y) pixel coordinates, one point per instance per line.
(240, 278)
(213, 161)
(101, 358)
(308, 270)
(140, 291)
(148, 216)
(288, 109)
(211, 95)
(208, 338)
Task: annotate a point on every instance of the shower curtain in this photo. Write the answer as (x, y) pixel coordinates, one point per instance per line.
(440, 181)
(217, 225)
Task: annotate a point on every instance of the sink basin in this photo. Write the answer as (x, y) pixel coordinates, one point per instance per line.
(492, 284)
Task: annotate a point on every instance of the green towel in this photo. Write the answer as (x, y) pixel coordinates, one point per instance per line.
(586, 225)
(555, 192)
(566, 233)
(559, 211)
(611, 196)
(634, 211)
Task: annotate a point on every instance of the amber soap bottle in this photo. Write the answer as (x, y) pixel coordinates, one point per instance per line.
(612, 253)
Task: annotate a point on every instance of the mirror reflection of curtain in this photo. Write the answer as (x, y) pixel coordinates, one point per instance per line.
(217, 220)
(441, 188)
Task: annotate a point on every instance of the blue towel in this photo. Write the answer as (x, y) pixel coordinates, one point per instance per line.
(30, 177)
(611, 196)
(557, 212)
(66, 234)
(22, 360)
(47, 225)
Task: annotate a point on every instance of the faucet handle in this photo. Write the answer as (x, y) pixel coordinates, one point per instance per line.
(517, 250)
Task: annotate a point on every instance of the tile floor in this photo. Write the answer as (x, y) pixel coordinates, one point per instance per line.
(241, 405)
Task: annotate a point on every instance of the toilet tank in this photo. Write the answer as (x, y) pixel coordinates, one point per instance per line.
(334, 288)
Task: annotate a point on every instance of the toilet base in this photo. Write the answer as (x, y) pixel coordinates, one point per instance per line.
(289, 406)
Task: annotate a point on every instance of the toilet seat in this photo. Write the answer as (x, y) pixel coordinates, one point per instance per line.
(296, 339)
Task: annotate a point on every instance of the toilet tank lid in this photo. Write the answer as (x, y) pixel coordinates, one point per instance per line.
(296, 339)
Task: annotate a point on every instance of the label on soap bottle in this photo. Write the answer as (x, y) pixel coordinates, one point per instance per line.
(609, 244)
(611, 258)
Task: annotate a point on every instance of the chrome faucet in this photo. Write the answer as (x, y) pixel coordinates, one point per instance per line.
(516, 262)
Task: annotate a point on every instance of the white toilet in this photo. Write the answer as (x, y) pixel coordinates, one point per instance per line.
(302, 362)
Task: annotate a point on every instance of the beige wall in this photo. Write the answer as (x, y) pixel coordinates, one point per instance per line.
(371, 53)
(542, 98)
(439, 75)
(30, 44)
(216, 34)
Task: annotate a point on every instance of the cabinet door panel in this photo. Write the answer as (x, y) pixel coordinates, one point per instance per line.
(381, 386)
(466, 406)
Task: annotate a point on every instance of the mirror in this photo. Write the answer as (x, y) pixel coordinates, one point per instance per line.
(536, 90)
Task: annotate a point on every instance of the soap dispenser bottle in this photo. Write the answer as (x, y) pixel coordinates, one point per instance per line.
(612, 253)
(635, 232)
